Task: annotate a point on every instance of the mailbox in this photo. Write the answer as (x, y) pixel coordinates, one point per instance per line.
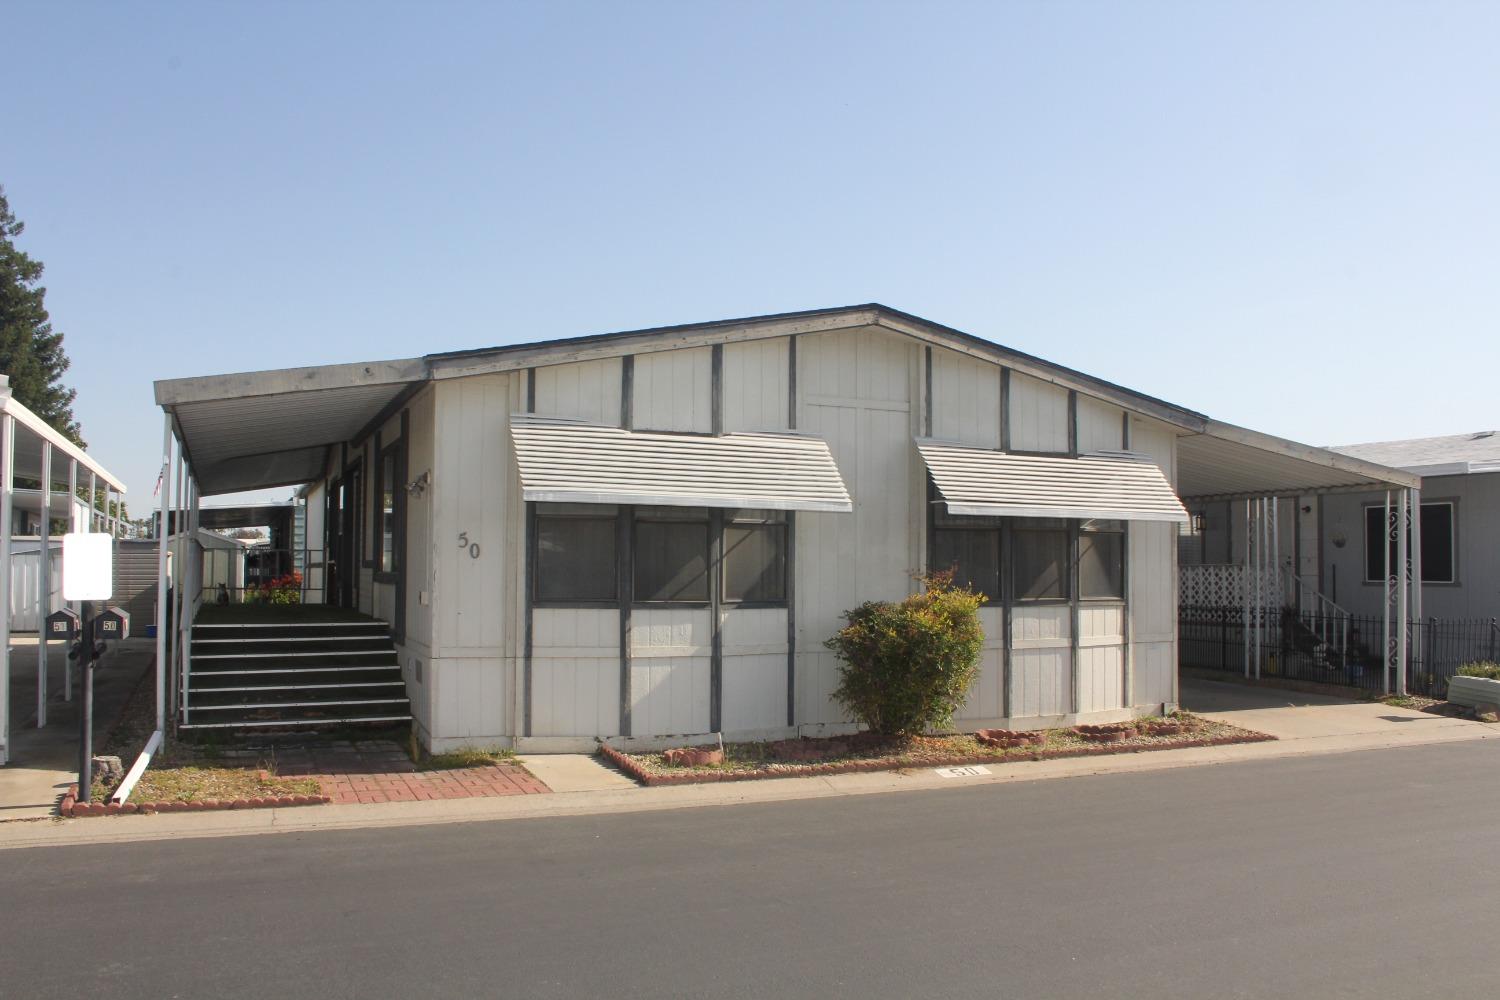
(112, 623)
(63, 624)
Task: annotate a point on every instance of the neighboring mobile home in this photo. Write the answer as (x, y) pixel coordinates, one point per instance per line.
(651, 534)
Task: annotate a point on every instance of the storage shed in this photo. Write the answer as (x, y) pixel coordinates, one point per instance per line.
(651, 534)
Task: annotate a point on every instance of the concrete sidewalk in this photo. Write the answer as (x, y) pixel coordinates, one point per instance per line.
(44, 761)
(603, 791)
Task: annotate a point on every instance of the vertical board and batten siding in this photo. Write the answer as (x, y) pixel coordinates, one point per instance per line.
(1101, 658)
(474, 650)
(672, 391)
(1038, 415)
(670, 660)
(1153, 581)
(575, 667)
(754, 651)
(1100, 426)
(986, 702)
(584, 390)
(965, 400)
(854, 389)
(1041, 660)
(420, 458)
(756, 383)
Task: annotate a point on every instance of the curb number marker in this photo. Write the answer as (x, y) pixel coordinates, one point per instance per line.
(972, 771)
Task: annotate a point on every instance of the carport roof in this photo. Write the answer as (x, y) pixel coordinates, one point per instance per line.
(258, 430)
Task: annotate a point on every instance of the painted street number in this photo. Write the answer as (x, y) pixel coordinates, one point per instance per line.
(972, 771)
(464, 543)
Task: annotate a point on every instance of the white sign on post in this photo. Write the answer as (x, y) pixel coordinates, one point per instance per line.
(87, 566)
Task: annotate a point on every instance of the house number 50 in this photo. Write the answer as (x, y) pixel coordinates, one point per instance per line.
(464, 543)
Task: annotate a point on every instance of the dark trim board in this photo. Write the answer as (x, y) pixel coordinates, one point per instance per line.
(529, 588)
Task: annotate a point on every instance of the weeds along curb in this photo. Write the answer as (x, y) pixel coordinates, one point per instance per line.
(71, 807)
(688, 777)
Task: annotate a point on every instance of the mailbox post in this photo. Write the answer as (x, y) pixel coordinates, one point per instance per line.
(88, 562)
(113, 623)
(63, 624)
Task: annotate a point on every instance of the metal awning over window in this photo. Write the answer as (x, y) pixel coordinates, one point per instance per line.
(572, 461)
(1111, 485)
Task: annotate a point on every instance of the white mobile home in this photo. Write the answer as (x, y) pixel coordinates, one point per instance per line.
(652, 533)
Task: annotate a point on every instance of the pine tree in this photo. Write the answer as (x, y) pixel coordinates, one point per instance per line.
(31, 353)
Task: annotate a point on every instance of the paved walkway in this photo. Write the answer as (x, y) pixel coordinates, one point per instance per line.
(44, 761)
(1308, 725)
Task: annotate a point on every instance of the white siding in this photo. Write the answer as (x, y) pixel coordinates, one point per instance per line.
(855, 390)
(984, 701)
(587, 390)
(1038, 415)
(1100, 426)
(1041, 660)
(575, 672)
(756, 377)
(1101, 658)
(670, 663)
(672, 391)
(1153, 582)
(965, 400)
(754, 648)
(419, 521)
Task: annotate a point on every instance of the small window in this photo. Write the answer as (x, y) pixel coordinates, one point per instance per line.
(1041, 564)
(1438, 564)
(755, 562)
(1101, 565)
(671, 560)
(388, 510)
(972, 554)
(575, 558)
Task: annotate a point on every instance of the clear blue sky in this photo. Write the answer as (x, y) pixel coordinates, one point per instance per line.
(1284, 215)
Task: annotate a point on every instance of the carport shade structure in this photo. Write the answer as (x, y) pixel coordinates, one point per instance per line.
(32, 449)
(258, 430)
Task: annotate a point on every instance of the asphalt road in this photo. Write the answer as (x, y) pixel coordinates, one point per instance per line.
(1367, 874)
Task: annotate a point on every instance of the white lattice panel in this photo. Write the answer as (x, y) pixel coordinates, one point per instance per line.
(1220, 585)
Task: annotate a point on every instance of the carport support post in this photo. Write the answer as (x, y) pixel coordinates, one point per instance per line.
(86, 712)
(1404, 586)
(7, 488)
(1415, 576)
(1385, 605)
(43, 585)
(72, 500)
(164, 489)
(1245, 594)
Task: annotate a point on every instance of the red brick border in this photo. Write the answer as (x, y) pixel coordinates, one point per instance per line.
(71, 807)
(651, 778)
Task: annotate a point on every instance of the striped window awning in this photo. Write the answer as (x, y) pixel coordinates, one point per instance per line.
(573, 461)
(1115, 485)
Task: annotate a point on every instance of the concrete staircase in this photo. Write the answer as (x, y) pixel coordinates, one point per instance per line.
(293, 674)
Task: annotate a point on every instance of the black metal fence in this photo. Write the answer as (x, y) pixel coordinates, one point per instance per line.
(1343, 650)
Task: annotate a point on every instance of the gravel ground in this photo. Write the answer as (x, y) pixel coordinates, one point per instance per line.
(837, 753)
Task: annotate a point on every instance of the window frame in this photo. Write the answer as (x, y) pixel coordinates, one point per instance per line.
(659, 515)
(743, 519)
(1454, 579)
(397, 452)
(581, 512)
(1119, 532)
(1021, 525)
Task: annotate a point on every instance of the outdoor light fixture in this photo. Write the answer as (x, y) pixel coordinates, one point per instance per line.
(419, 485)
(1338, 539)
(1197, 524)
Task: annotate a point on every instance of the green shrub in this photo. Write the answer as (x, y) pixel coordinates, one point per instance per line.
(1483, 668)
(907, 666)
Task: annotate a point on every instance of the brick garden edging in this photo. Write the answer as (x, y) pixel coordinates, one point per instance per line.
(651, 778)
(71, 807)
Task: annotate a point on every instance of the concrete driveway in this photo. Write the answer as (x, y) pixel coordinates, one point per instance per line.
(1292, 715)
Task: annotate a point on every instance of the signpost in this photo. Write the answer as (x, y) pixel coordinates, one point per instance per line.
(88, 575)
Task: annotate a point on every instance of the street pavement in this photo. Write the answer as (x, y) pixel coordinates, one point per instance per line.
(1365, 874)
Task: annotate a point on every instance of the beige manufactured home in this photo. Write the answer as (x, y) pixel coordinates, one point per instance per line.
(650, 535)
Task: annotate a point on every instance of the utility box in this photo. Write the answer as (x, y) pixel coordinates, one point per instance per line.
(112, 623)
(62, 624)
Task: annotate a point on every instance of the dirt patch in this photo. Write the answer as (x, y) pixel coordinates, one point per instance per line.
(867, 752)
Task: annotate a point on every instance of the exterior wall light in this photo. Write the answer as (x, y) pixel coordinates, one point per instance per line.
(419, 485)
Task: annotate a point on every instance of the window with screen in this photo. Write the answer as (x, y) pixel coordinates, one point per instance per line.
(575, 555)
(1439, 562)
(671, 558)
(1039, 561)
(972, 555)
(1101, 561)
(755, 560)
(387, 513)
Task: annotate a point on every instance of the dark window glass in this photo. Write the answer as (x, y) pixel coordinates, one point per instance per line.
(388, 511)
(575, 559)
(755, 562)
(973, 556)
(1041, 565)
(1101, 565)
(1437, 544)
(671, 561)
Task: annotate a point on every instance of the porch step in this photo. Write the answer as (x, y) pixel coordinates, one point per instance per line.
(272, 673)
